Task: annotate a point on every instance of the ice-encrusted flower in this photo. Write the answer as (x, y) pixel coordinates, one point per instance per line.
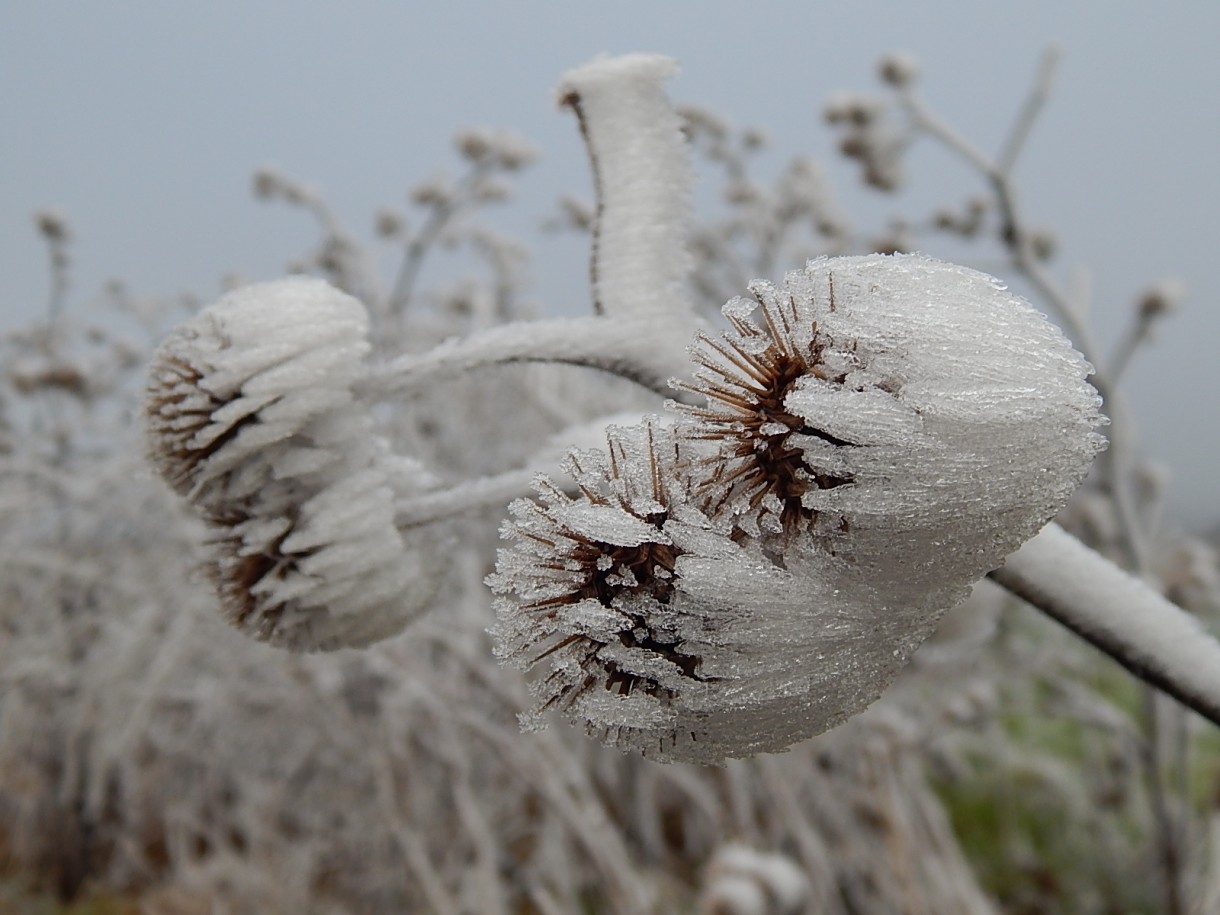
(909, 415)
(589, 584)
(659, 633)
(251, 416)
(255, 386)
(879, 433)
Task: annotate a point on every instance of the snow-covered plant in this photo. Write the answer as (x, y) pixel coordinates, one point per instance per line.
(252, 419)
(879, 432)
(149, 750)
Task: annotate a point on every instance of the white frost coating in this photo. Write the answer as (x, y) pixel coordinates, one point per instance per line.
(1118, 613)
(251, 416)
(643, 176)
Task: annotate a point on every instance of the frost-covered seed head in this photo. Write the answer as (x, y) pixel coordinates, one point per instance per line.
(659, 633)
(261, 377)
(53, 225)
(902, 411)
(1161, 298)
(323, 570)
(589, 581)
(251, 416)
(899, 69)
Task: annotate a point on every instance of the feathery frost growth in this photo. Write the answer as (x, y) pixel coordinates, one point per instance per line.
(252, 418)
(881, 437)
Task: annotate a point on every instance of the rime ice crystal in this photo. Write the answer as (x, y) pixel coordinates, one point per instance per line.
(252, 418)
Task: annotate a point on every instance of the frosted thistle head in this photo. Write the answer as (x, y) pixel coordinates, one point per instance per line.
(257, 384)
(909, 415)
(588, 585)
(879, 433)
(252, 418)
(658, 633)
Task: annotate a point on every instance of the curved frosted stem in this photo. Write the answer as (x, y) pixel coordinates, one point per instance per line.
(1117, 613)
(647, 351)
(642, 174)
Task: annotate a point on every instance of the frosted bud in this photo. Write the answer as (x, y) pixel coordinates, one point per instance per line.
(53, 225)
(657, 632)
(905, 416)
(257, 385)
(1161, 297)
(267, 183)
(251, 417)
(743, 881)
(389, 224)
(899, 69)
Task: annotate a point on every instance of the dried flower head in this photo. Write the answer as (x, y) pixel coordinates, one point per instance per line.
(53, 225)
(589, 583)
(660, 634)
(904, 412)
(899, 69)
(255, 386)
(330, 571)
(251, 416)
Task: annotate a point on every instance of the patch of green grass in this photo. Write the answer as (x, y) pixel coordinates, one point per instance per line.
(17, 897)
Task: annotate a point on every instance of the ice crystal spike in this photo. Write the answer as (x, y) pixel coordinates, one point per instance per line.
(251, 417)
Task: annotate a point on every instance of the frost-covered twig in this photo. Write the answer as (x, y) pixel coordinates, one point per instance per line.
(1119, 614)
(646, 350)
(642, 174)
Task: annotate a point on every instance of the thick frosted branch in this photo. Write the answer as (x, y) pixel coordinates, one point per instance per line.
(1119, 614)
(646, 350)
(643, 176)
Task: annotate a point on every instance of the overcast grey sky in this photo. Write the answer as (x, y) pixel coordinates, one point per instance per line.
(142, 122)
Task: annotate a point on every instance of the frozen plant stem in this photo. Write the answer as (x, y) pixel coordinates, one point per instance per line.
(423, 241)
(1117, 613)
(645, 350)
(642, 175)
